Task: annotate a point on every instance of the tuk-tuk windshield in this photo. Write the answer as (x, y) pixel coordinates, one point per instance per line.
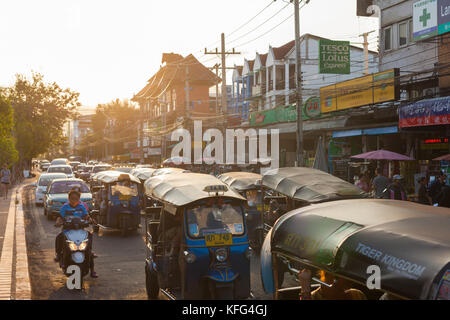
(124, 188)
(254, 198)
(215, 218)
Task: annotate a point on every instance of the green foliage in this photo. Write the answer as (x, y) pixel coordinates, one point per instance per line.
(40, 111)
(8, 152)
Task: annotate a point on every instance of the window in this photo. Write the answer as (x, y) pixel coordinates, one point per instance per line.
(388, 38)
(410, 27)
(403, 34)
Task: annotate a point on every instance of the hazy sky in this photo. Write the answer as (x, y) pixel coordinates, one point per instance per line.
(107, 49)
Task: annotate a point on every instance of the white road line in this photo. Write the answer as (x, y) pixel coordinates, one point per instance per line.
(6, 260)
(22, 283)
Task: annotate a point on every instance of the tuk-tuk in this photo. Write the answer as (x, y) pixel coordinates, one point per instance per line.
(142, 174)
(249, 186)
(408, 242)
(292, 188)
(197, 244)
(116, 201)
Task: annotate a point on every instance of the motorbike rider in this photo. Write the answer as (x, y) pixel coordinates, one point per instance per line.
(75, 208)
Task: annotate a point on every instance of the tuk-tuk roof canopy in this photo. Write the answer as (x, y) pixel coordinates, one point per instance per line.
(183, 189)
(408, 241)
(143, 173)
(114, 176)
(241, 181)
(310, 185)
(163, 171)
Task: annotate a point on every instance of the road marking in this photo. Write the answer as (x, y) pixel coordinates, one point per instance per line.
(6, 260)
(23, 287)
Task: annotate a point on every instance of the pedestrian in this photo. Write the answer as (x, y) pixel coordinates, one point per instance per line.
(362, 183)
(5, 179)
(395, 190)
(436, 186)
(424, 198)
(379, 184)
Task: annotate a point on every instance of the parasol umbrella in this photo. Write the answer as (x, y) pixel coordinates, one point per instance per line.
(382, 155)
(443, 158)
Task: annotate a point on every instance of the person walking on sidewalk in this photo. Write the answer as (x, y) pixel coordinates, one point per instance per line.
(5, 179)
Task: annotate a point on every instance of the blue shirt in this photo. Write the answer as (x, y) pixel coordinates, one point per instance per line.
(78, 211)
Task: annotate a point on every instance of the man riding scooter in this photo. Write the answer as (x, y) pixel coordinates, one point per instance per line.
(73, 208)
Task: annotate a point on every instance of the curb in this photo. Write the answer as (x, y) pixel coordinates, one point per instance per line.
(15, 240)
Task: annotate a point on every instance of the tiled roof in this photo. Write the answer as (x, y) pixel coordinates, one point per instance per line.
(282, 51)
(263, 58)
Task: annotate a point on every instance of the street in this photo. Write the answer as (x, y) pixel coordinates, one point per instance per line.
(120, 262)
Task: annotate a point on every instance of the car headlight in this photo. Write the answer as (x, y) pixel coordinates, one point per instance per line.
(221, 255)
(189, 257)
(83, 245)
(72, 245)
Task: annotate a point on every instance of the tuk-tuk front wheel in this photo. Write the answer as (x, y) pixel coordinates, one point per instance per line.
(151, 284)
(123, 226)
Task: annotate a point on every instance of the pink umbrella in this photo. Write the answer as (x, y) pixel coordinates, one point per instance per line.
(443, 158)
(382, 155)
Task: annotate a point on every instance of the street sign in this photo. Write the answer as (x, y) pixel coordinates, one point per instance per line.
(443, 16)
(425, 19)
(334, 57)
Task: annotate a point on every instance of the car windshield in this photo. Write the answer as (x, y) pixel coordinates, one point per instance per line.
(45, 181)
(99, 169)
(67, 186)
(214, 219)
(66, 170)
(124, 188)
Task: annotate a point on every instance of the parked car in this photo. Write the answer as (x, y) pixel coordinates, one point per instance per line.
(41, 185)
(60, 161)
(66, 169)
(57, 194)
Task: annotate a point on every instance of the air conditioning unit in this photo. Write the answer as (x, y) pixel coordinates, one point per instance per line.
(430, 92)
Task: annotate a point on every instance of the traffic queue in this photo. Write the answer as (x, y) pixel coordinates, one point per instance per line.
(317, 236)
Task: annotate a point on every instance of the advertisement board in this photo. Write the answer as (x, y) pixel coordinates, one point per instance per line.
(425, 19)
(334, 57)
(443, 16)
(367, 90)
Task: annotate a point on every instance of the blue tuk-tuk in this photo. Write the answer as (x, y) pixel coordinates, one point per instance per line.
(248, 185)
(197, 244)
(116, 202)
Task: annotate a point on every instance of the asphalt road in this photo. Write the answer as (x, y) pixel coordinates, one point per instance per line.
(120, 262)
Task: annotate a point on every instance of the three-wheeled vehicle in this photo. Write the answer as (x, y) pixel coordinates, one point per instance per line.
(197, 245)
(249, 186)
(142, 174)
(292, 188)
(116, 201)
(407, 242)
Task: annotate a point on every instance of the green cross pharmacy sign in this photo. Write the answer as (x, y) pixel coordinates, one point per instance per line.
(430, 18)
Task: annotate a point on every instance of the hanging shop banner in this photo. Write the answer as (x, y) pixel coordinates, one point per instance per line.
(425, 113)
(443, 16)
(288, 113)
(425, 19)
(334, 57)
(367, 90)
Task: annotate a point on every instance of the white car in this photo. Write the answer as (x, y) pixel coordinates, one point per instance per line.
(44, 180)
(60, 161)
(66, 169)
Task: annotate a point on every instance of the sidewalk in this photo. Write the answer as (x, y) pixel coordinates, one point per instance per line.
(14, 275)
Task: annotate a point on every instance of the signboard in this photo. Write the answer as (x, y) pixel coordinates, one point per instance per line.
(425, 20)
(443, 16)
(312, 107)
(284, 114)
(425, 113)
(367, 90)
(334, 57)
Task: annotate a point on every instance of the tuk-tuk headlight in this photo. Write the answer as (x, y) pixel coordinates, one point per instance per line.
(248, 253)
(221, 255)
(189, 257)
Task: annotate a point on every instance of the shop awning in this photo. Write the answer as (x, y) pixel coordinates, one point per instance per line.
(427, 112)
(365, 132)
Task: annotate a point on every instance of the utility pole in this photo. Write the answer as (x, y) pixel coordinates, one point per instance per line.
(298, 60)
(223, 54)
(366, 51)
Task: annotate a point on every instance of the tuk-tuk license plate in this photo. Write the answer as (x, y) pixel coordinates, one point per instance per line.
(215, 240)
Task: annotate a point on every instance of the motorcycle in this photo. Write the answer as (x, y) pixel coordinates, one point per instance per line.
(76, 250)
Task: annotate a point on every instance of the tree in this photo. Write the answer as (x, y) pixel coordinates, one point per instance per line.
(40, 111)
(8, 152)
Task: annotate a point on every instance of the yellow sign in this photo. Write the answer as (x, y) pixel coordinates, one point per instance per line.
(374, 88)
(215, 240)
